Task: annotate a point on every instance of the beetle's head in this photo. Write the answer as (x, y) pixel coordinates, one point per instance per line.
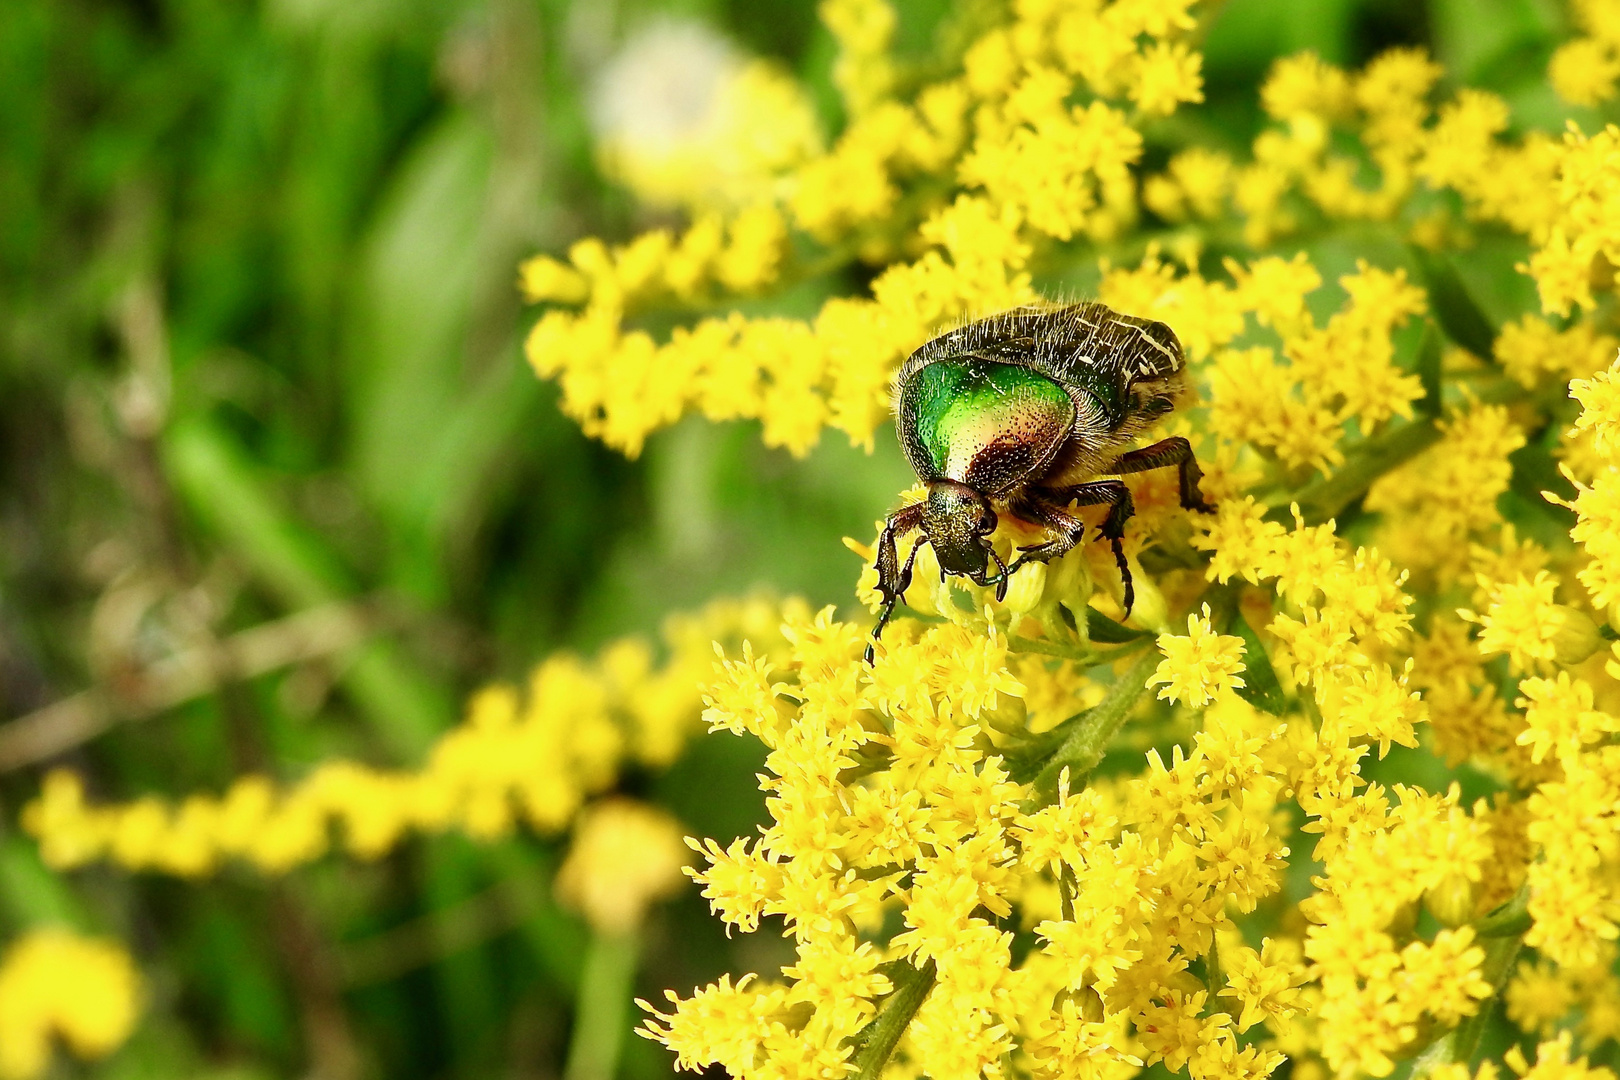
(956, 520)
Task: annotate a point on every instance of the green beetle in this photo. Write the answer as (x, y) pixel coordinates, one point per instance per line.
(1018, 413)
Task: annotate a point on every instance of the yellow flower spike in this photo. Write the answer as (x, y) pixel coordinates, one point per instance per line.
(532, 759)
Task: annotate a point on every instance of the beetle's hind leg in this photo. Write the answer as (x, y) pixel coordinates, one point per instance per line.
(894, 578)
(1161, 455)
(1047, 506)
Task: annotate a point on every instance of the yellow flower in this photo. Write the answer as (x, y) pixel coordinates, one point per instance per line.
(1522, 620)
(1200, 667)
(1304, 84)
(624, 856)
(1553, 1063)
(1265, 983)
(1584, 71)
(1167, 75)
(682, 120)
(531, 759)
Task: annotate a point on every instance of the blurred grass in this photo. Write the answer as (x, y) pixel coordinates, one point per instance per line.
(259, 351)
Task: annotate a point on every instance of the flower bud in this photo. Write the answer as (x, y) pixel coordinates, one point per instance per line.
(1026, 588)
(1577, 638)
(1150, 609)
(1086, 1000)
(1451, 901)
(927, 592)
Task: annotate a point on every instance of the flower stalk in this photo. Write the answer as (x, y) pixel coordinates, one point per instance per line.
(875, 1044)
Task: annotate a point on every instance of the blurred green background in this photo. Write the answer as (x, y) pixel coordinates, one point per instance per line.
(259, 344)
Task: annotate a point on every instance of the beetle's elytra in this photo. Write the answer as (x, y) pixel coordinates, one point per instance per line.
(1019, 413)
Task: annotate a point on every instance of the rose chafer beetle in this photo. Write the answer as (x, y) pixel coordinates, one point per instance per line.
(1018, 414)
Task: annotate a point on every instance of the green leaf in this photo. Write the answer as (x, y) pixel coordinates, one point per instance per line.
(1101, 628)
(1260, 686)
(1428, 369)
(1459, 316)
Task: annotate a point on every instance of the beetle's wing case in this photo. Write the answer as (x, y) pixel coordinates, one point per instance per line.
(1120, 372)
(978, 415)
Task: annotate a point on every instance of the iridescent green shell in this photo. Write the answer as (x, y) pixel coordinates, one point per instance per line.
(1045, 395)
(982, 423)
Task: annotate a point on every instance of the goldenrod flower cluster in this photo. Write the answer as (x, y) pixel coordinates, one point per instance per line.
(1032, 167)
(55, 984)
(533, 758)
(996, 851)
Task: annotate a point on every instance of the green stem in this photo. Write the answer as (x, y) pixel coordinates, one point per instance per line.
(878, 1039)
(1086, 657)
(1329, 496)
(603, 1005)
(1095, 729)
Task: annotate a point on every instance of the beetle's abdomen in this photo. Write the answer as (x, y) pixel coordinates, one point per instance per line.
(981, 423)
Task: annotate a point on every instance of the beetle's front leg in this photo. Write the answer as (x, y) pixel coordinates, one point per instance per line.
(894, 578)
(1049, 513)
(1045, 506)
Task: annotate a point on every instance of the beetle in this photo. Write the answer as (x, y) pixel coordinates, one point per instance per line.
(1018, 414)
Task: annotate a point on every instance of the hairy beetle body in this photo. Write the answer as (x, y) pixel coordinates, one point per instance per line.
(1019, 413)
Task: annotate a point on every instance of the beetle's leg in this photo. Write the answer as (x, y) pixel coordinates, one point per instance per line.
(893, 578)
(1161, 455)
(889, 604)
(1047, 511)
(1045, 507)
